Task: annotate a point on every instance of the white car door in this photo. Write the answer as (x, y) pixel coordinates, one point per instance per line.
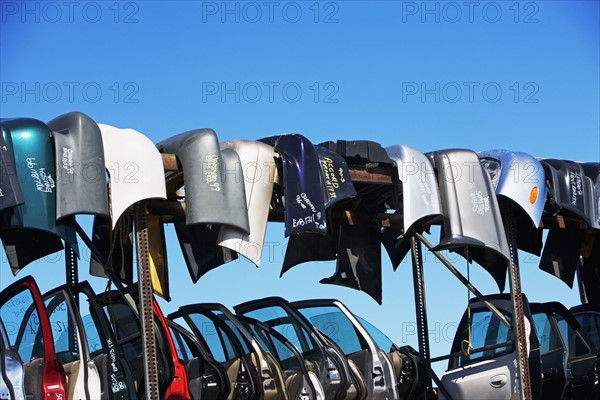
(487, 366)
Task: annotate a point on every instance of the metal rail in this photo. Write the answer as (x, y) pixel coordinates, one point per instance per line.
(145, 302)
(71, 266)
(420, 305)
(520, 336)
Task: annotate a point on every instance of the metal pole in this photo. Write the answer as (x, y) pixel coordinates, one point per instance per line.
(145, 302)
(71, 266)
(421, 307)
(72, 280)
(517, 303)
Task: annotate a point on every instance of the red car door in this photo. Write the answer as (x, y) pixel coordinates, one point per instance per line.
(27, 326)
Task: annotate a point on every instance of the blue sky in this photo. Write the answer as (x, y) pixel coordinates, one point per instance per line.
(432, 75)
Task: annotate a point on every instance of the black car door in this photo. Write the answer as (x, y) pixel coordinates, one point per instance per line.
(207, 378)
(101, 344)
(226, 348)
(569, 356)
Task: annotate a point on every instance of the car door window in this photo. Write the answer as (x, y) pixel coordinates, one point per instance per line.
(64, 330)
(379, 337)
(22, 325)
(573, 341)
(484, 329)
(239, 336)
(277, 318)
(273, 345)
(183, 350)
(218, 342)
(590, 322)
(333, 323)
(547, 335)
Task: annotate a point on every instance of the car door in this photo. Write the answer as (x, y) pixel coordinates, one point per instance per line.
(70, 345)
(553, 353)
(409, 365)
(322, 355)
(336, 321)
(127, 330)
(300, 383)
(99, 343)
(588, 316)
(12, 373)
(581, 364)
(207, 378)
(27, 326)
(483, 362)
(226, 348)
(272, 385)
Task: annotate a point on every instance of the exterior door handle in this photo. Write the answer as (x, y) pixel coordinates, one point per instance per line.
(378, 378)
(549, 373)
(498, 381)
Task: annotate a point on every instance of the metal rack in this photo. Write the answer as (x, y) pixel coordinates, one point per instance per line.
(364, 177)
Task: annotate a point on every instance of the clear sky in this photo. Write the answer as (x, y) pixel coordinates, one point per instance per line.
(433, 75)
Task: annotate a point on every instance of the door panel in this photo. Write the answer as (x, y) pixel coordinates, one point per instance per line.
(582, 358)
(207, 378)
(334, 320)
(12, 373)
(82, 376)
(483, 372)
(225, 348)
(28, 329)
(128, 337)
(331, 366)
(552, 354)
(490, 379)
(287, 361)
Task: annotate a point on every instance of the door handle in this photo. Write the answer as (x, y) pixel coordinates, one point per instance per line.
(579, 381)
(498, 381)
(549, 373)
(378, 378)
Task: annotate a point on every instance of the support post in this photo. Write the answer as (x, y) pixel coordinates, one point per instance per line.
(72, 280)
(420, 306)
(145, 302)
(517, 302)
(71, 266)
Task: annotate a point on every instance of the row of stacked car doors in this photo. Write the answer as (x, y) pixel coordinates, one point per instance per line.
(74, 344)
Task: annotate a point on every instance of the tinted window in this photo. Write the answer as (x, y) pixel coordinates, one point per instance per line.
(183, 351)
(379, 337)
(333, 323)
(64, 330)
(590, 322)
(485, 329)
(575, 344)
(123, 320)
(549, 339)
(277, 318)
(127, 331)
(239, 336)
(22, 325)
(219, 344)
(95, 342)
